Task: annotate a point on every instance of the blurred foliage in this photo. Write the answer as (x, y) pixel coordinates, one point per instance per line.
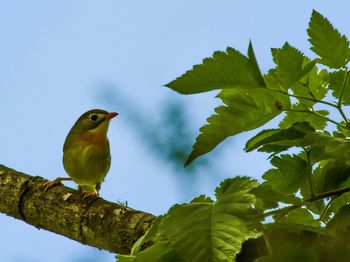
(168, 134)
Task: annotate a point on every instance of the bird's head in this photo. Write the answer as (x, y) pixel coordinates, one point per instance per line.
(94, 122)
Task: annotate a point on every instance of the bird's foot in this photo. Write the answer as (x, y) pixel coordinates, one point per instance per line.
(90, 195)
(48, 185)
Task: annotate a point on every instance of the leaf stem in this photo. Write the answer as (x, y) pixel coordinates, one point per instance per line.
(343, 115)
(326, 208)
(268, 244)
(316, 114)
(317, 197)
(284, 209)
(313, 99)
(335, 192)
(309, 172)
(303, 97)
(339, 105)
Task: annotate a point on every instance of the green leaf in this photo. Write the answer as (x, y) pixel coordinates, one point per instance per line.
(341, 131)
(291, 252)
(203, 230)
(327, 42)
(313, 86)
(339, 83)
(263, 137)
(252, 249)
(316, 207)
(339, 228)
(156, 253)
(244, 110)
(290, 63)
(125, 258)
(339, 202)
(317, 83)
(255, 66)
(268, 198)
(314, 120)
(332, 176)
(289, 174)
(326, 147)
(278, 140)
(224, 70)
(148, 237)
(219, 229)
(303, 217)
(293, 242)
(341, 221)
(272, 82)
(282, 229)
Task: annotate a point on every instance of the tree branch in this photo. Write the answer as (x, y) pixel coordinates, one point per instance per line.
(94, 222)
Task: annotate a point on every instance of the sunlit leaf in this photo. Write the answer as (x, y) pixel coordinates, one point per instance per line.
(268, 198)
(315, 120)
(327, 42)
(225, 70)
(278, 140)
(327, 147)
(339, 82)
(148, 237)
(302, 216)
(203, 230)
(311, 87)
(125, 258)
(289, 173)
(290, 65)
(317, 83)
(244, 110)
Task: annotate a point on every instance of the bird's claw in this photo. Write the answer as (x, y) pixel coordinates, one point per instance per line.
(90, 195)
(48, 185)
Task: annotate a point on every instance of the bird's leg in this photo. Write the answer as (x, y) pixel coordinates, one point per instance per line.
(48, 185)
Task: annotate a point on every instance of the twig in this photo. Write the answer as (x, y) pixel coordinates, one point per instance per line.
(317, 197)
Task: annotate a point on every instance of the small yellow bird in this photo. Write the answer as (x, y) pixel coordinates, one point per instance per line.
(86, 154)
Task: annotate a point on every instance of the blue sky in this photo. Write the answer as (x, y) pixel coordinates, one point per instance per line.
(54, 55)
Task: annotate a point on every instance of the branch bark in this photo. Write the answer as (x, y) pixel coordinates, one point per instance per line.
(94, 222)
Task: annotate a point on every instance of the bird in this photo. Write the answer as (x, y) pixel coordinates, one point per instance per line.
(86, 152)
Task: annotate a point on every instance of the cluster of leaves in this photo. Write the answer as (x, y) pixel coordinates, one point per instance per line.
(301, 211)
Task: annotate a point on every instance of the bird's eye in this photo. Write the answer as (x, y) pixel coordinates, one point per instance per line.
(93, 117)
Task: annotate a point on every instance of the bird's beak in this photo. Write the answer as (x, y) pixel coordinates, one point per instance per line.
(110, 115)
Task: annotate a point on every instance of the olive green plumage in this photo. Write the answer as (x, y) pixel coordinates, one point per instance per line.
(86, 152)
